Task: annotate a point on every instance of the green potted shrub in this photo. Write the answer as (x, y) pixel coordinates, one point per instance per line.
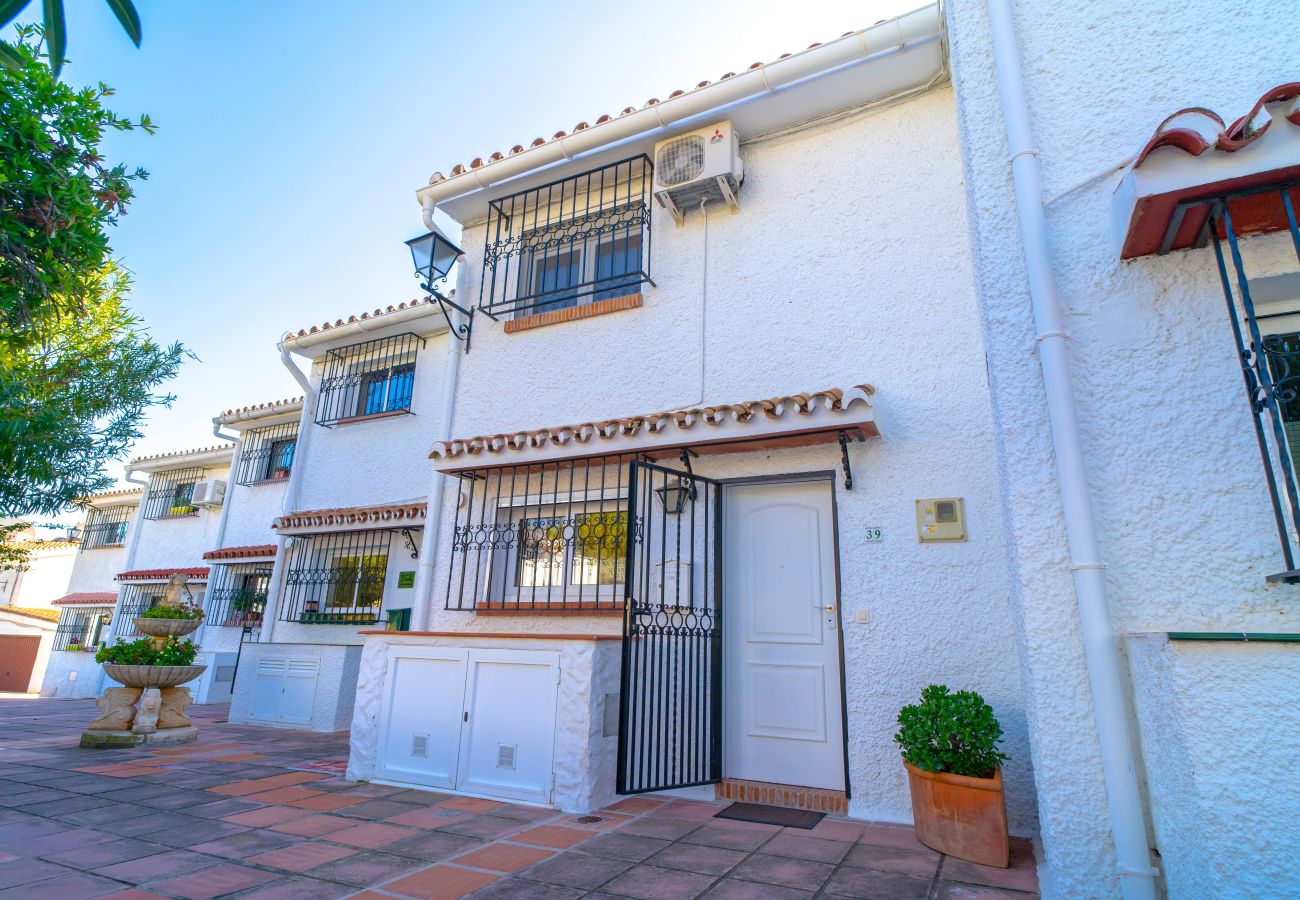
(157, 662)
(954, 770)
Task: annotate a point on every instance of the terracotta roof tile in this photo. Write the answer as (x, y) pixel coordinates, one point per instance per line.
(87, 598)
(682, 419)
(393, 515)
(33, 612)
(1230, 138)
(461, 169)
(365, 316)
(157, 456)
(250, 552)
(199, 573)
(110, 495)
(259, 407)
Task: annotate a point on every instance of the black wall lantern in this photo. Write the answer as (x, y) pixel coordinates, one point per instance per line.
(674, 494)
(434, 256)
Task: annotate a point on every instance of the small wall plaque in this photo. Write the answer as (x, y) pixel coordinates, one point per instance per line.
(406, 579)
(875, 535)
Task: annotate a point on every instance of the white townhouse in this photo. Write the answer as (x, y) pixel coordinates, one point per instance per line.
(348, 533)
(28, 616)
(86, 610)
(1131, 187)
(722, 492)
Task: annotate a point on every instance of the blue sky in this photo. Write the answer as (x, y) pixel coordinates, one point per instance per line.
(293, 135)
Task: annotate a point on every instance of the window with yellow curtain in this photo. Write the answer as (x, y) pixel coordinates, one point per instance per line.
(358, 581)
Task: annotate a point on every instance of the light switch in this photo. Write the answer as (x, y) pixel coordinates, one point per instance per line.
(860, 617)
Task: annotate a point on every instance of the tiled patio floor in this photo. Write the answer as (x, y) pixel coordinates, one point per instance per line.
(234, 816)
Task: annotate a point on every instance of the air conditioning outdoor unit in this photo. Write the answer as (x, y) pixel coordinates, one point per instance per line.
(699, 165)
(209, 493)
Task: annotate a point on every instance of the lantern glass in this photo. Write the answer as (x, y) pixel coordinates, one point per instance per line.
(674, 494)
(433, 255)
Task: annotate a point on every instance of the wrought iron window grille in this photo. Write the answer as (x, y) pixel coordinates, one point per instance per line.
(236, 595)
(106, 527)
(79, 629)
(552, 536)
(336, 579)
(1270, 363)
(267, 454)
(575, 240)
(171, 494)
(368, 380)
(136, 598)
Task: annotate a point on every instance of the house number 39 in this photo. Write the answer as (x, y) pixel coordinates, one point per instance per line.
(874, 535)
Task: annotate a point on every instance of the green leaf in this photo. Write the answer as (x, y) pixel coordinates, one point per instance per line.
(9, 10)
(130, 19)
(9, 57)
(56, 30)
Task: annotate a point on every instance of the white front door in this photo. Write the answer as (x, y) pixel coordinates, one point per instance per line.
(781, 685)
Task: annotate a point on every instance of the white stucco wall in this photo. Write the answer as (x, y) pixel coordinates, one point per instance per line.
(1217, 726)
(584, 756)
(44, 579)
(70, 674)
(848, 263)
(335, 689)
(253, 507)
(174, 543)
(1181, 507)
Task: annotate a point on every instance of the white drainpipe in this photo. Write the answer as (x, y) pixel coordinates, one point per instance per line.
(290, 501)
(437, 480)
(1128, 821)
(234, 467)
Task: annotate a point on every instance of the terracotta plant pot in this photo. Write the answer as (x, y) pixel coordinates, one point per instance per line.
(152, 676)
(166, 627)
(961, 816)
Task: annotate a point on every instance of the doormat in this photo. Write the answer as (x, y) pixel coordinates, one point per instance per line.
(324, 766)
(771, 815)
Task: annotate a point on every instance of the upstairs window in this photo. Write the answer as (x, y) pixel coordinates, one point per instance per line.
(374, 378)
(267, 454)
(577, 240)
(236, 596)
(171, 494)
(106, 527)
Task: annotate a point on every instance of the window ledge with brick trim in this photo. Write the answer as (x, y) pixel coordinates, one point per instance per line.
(371, 417)
(558, 608)
(574, 313)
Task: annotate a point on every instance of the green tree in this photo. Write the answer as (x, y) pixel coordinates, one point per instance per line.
(77, 372)
(56, 28)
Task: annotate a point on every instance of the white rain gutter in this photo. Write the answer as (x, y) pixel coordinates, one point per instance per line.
(234, 465)
(424, 573)
(905, 32)
(290, 499)
(299, 343)
(1127, 818)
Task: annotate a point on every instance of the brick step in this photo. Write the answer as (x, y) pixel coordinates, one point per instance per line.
(787, 795)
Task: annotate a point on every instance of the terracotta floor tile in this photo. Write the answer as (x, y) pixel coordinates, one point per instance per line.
(370, 836)
(267, 815)
(212, 882)
(838, 829)
(237, 788)
(636, 805)
(471, 804)
(314, 825)
(323, 802)
(300, 857)
(607, 821)
(552, 836)
(442, 882)
(282, 795)
(433, 817)
(503, 857)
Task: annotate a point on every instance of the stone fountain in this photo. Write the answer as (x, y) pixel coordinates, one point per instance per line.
(150, 705)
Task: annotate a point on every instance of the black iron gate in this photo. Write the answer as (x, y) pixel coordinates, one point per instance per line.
(670, 726)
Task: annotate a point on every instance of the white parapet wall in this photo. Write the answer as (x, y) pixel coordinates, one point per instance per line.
(525, 718)
(71, 674)
(310, 687)
(1217, 722)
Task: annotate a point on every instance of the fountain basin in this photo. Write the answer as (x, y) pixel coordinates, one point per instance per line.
(166, 627)
(152, 676)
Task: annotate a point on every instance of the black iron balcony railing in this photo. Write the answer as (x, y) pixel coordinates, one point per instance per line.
(171, 493)
(370, 379)
(79, 629)
(105, 528)
(234, 607)
(575, 240)
(335, 579)
(267, 454)
(549, 537)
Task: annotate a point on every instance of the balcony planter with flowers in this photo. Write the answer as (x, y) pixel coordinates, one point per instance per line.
(150, 705)
(949, 743)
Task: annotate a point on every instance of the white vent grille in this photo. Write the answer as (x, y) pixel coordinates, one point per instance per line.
(506, 755)
(680, 161)
(420, 746)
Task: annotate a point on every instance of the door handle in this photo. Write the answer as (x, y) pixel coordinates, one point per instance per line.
(830, 607)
